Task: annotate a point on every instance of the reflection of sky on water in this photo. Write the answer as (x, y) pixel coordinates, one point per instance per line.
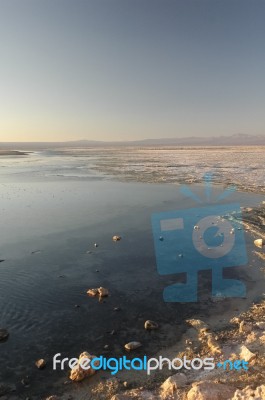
(57, 204)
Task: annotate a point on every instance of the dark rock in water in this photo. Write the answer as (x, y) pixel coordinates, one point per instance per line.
(25, 381)
(3, 334)
(36, 252)
(2, 260)
(4, 389)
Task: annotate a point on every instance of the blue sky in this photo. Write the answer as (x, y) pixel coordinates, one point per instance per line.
(131, 69)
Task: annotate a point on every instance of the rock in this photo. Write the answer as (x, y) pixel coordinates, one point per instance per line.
(116, 238)
(78, 374)
(161, 238)
(41, 363)
(137, 394)
(116, 309)
(245, 327)
(2, 260)
(132, 346)
(198, 324)
(3, 334)
(4, 389)
(171, 384)
(261, 325)
(25, 381)
(52, 398)
(95, 244)
(213, 344)
(103, 292)
(146, 395)
(150, 325)
(252, 338)
(259, 243)
(210, 391)
(246, 354)
(235, 320)
(250, 394)
(92, 292)
(262, 339)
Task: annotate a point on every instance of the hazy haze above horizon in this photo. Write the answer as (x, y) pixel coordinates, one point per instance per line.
(130, 69)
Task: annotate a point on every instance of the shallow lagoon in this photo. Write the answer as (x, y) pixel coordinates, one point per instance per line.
(49, 223)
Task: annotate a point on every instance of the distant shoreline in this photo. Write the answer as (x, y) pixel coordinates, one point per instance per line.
(12, 153)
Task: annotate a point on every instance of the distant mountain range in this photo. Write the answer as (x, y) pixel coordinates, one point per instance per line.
(240, 139)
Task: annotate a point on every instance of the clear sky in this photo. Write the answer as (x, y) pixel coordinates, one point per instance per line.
(131, 69)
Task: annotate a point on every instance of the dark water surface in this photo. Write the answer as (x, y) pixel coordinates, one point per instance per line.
(46, 230)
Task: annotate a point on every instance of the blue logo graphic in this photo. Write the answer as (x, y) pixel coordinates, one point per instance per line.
(196, 239)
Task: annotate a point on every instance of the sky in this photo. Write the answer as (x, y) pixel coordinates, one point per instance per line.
(131, 69)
